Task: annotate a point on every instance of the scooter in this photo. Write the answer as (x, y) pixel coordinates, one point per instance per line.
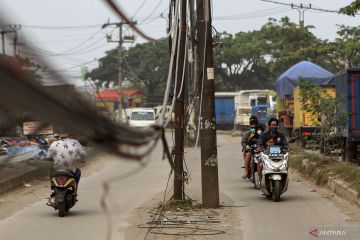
(64, 191)
(275, 179)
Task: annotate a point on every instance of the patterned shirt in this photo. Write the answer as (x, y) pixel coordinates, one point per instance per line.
(65, 152)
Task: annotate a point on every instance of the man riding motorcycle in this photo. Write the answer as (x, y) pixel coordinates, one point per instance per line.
(65, 153)
(250, 138)
(269, 138)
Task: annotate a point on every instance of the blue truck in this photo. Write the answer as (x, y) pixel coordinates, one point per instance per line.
(348, 90)
(261, 111)
(224, 110)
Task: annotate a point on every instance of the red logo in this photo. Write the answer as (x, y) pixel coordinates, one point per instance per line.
(314, 233)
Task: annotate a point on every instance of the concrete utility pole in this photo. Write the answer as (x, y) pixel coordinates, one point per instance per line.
(3, 33)
(301, 9)
(15, 28)
(209, 160)
(179, 106)
(192, 80)
(120, 60)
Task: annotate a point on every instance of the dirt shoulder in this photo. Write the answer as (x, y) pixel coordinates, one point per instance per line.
(183, 221)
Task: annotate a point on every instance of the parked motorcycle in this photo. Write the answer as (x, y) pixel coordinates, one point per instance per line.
(64, 187)
(275, 179)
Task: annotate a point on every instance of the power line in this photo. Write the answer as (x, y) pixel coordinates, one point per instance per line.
(61, 27)
(125, 18)
(156, 7)
(263, 13)
(139, 8)
(310, 6)
(79, 65)
(83, 42)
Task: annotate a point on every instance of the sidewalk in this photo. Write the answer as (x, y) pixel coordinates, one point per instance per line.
(14, 175)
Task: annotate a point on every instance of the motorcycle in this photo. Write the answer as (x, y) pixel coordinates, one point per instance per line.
(64, 187)
(253, 166)
(275, 178)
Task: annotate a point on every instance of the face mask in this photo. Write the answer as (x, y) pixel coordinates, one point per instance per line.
(259, 132)
(273, 130)
(253, 130)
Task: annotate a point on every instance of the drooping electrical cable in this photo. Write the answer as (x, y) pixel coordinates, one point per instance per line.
(131, 24)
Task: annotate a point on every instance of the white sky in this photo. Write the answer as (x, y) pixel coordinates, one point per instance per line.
(82, 45)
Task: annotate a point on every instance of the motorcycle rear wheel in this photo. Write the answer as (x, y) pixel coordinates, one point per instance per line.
(61, 209)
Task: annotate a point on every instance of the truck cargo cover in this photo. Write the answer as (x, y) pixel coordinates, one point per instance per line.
(285, 84)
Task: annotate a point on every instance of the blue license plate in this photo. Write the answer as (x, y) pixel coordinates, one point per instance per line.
(275, 150)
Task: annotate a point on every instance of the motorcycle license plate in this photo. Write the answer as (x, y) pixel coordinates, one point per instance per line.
(275, 150)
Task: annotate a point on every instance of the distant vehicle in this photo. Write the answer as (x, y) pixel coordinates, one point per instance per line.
(225, 110)
(306, 125)
(141, 117)
(245, 100)
(242, 117)
(262, 112)
(168, 113)
(348, 90)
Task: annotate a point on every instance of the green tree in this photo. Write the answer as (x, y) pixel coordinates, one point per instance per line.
(237, 60)
(348, 46)
(324, 107)
(287, 44)
(351, 9)
(145, 66)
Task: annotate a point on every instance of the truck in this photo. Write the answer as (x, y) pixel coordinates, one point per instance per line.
(262, 113)
(224, 110)
(285, 112)
(245, 100)
(306, 125)
(347, 85)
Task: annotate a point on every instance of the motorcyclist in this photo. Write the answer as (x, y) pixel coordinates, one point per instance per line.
(269, 138)
(252, 117)
(250, 138)
(65, 153)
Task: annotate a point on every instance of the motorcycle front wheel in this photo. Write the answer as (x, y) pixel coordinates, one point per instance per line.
(276, 191)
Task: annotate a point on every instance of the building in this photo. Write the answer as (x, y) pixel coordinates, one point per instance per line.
(109, 99)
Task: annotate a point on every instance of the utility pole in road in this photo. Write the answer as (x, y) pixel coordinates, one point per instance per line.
(120, 60)
(209, 160)
(179, 123)
(3, 33)
(15, 28)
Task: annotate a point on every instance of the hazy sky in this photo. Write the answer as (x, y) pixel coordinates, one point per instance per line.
(46, 23)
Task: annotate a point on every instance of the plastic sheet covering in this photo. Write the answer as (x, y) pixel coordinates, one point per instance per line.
(285, 84)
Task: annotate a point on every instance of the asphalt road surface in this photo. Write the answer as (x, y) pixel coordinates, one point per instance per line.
(301, 209)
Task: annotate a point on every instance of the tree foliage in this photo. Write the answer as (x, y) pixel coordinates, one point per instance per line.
(145, 66)
(324, 107)
(351, 9)
(246, 60)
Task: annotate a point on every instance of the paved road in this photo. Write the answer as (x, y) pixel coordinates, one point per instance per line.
(258, 218)
(86, 220)
(300, 210)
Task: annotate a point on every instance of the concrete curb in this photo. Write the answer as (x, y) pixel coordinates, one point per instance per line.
(339, 187)
(342, 189)
(17, 179)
